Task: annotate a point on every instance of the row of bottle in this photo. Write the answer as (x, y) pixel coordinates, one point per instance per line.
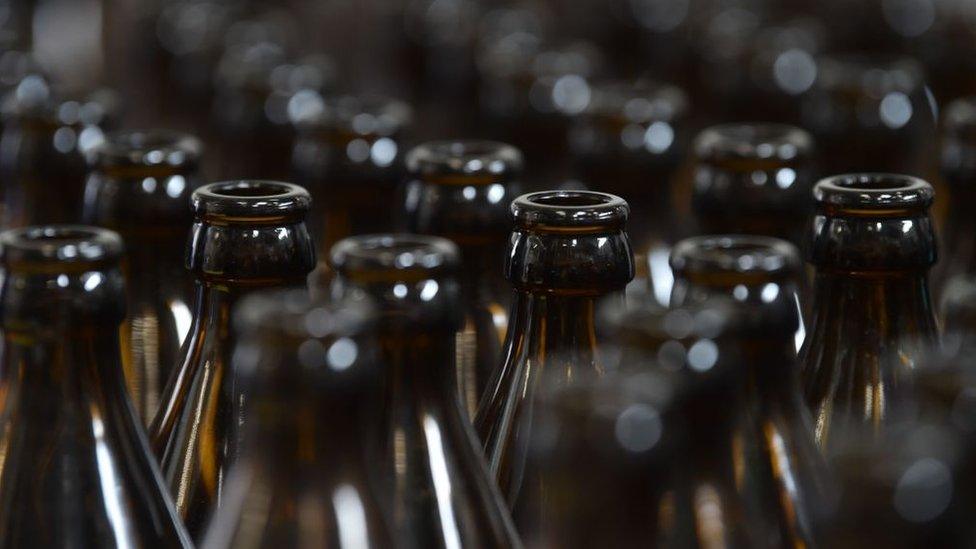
(339, 418)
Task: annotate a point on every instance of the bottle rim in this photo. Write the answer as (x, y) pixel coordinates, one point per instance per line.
(874, 192)
(568, 210)
(251, 200)
(400, 253)
(469, 161)
(753, 140)
(735, 254)
(59, 246)
(149, 148)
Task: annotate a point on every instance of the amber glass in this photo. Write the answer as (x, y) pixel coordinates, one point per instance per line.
(783, 465)
(441, 492)
(872, 244)
(76, 468)
(605, 449)
(246, 235)
(871, 114)
(461, 190)
(753, 179)
(310, 437)
(958, 159)
(567, 251)
(42, 167)
(629, 141)
(140, 186)
(347, 153)
(911, 490)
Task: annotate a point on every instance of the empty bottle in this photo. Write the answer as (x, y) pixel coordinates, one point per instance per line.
(753, 179)
(958, 161)
(311, 438)
(77, 470)
(440, 488)
(140, 186)
(783, 467)
(461, 190)
(567, 251)
(246, 235)
(872, 244)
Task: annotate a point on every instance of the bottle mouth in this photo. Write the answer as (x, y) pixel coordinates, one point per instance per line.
(735, 254)
(873, 193)
(59, 245)
(759, 141)
(470, 161)
(858, 71)
(569, 210)
(251, 200)
(638, 102)
(395, 255)
(150, 148)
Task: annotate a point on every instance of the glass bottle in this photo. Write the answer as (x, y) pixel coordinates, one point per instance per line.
(958, 161)
(246, 235)
(308, 474)
(872, 244)
(783, 466)
(461, 190)
(76, 468)
(441, 491)
(348, 151)
(753, 178)
(139, 186)
(567, 251)
(629, 141)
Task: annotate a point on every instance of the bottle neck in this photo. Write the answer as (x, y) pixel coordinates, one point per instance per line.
(481, 274)
(420, 361)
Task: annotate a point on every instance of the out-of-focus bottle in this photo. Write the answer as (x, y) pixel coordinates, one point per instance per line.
(246, 235)
(783, 467)
(567, 251)
(76, 466)
(871, 114)
(753, 179)
(139, 186)
(958, 158)
(441, 491)
(872, 244)
(348, 152)
(461, 190)
(629, 141)
(311, 439)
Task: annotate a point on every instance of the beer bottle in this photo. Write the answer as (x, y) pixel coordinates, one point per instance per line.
(441, 491)
(567, 251)
(753, 179)
(77, 470)
(346, 153)
(461, 190)
(958, 159)
(140, 185)
(759, 277)
(629, 141)
(246, 235)
(310, 441)
(872, 245)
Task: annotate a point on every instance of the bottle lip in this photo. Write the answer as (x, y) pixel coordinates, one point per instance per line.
(637, 101)
(870, 72)
(735, 254)
(753, 140)
(873, 192)
(569, 210)
(251, 200)
(59, 246)
(465, 161)
(296, 313)
(150, 148)
(397, 254)
(367, 115)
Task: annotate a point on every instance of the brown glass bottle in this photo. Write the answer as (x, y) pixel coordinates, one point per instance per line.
(77, 470)
(783, 467)
(461, 190)
(246, 235)
(958, 159)
(629, 141)
(311, 438)
(567, 251)
(441, 491)
(753, 179)
(348, 152)
(140, 186)
(872, 244)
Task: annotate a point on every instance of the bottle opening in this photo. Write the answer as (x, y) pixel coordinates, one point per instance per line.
(251, 189)
(465, 158)
(58, 234)
(571, 200)
(735, 254)
(149, 148)
(249, 198)
(61, 243)
(580, 209)
(393, 252)
(874, 191)
(756, 140)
